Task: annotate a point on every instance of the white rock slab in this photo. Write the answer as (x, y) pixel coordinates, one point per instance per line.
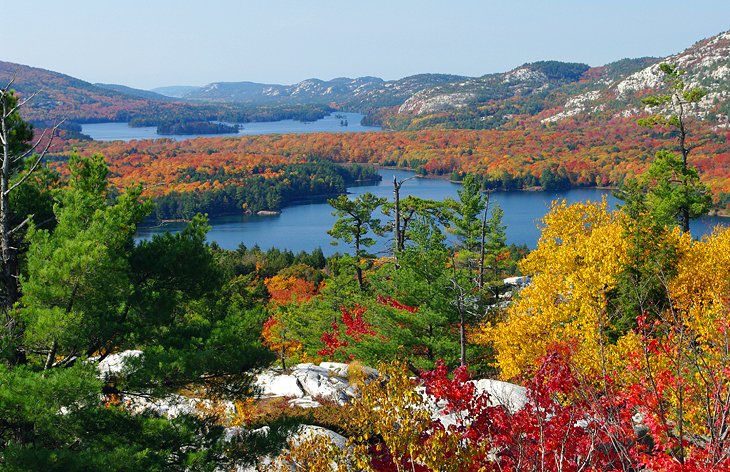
(273, 384)
(512, 396)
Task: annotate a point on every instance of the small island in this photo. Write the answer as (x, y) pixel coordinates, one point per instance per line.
(195, 127)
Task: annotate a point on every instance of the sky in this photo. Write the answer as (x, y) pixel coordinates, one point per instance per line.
(153, 43)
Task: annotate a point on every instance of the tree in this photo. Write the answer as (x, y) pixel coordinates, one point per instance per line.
(419, 326)
(573, 270)
(354, 224)
(467, 214)
(675, 193)
(469, 223)
(410, 209)
(495, 247)
(399, 231)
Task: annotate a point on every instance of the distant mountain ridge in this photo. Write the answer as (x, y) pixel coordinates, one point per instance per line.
(707, 64)
(546, 91)
(133, 92)
(361, 92)
(60, 96)
(175, 91)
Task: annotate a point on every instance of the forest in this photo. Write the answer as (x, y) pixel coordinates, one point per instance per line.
(117, 354)
(574, 153)
(265, 188)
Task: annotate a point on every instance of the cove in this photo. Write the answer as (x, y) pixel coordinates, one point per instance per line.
(304, 227)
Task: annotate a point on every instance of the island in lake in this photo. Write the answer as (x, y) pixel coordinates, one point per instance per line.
(196, 127)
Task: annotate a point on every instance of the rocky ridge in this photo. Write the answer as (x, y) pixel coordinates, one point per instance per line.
(357, 93)
(707, 64)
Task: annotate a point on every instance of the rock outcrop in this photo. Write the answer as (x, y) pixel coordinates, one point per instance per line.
(308, 384)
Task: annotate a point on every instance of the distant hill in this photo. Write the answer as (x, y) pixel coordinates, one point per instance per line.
(175, 91)
(357, 94)
(551, 92)
(61, 96)
(494, 100)
(707, 64)
(133, 92)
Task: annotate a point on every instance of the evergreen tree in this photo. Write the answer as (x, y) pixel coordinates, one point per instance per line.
(671, 186)
(355, 223)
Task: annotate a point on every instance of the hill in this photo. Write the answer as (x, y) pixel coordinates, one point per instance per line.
(707, 64)
(603, 93)
(61, 96)
(357, 94)
(545, 92)
(133, 92)
(175, 91)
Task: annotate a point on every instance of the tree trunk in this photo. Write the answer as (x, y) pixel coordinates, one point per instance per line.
(7, 252)
(396, 191)
(51, 355)
(358, 269)
(462, 337)
(684, 210)
(481, 246)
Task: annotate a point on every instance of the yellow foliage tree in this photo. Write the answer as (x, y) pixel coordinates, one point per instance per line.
(573, 269)
(389, 410)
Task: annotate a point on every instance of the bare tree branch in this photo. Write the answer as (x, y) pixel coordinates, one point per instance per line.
(32, 148)
(21, 103)
(37, 161)
(22, 223)
(10, 84)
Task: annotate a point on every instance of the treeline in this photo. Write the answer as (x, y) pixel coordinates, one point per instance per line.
(195, 127)
(551, 179)
(267, 188)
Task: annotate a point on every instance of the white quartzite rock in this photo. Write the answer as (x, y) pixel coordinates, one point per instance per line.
(273, 384)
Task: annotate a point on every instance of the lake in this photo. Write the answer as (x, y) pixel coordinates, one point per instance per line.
(328, 124)
(304, 227)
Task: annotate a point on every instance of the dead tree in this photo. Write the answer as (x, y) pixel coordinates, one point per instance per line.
(21, 157)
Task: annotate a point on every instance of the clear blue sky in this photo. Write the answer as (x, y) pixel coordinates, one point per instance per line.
(153, 43)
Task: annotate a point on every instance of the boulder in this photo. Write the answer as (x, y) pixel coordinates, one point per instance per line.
(337, 368)
(320, 382)
(306, 431)
(512, 396)
(304, 402)
(302, 433)
(517, 281)
(274, 384)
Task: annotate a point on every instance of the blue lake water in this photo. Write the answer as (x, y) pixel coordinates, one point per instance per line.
(304, 227)
(328, 124)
